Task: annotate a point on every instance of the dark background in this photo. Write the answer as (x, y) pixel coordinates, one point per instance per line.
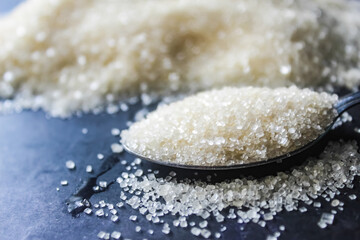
(33, 152)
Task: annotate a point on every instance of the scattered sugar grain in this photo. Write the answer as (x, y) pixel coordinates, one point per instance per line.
(203, 224)
(335, 203)
(195, 231)
(115, 235)
(124, 107)
(70, 165)
(115, 132)
(262, 223)
(322, 224)
(183, 224)
(317, 204)
(133, 218)
(271, 237)
(114, 218)
(223, 229)
(176, 222)
(268, 216)
(166, 229)
(352, 197)
(205, 233)
(320, 173)
(100, 213)
(102, 203)
(116, 148)
(103, 184)
(89, 169)
(327, 218)
(101, 235)
(120, 204)
(64, 183)
(88, 211)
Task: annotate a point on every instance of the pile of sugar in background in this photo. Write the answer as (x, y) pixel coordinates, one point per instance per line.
(70, 57)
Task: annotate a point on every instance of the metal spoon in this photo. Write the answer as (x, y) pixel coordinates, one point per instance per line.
(341, 106)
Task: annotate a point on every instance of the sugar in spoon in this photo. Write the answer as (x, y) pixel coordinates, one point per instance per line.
(341, 106)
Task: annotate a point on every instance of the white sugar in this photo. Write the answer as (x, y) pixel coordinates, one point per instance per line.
(286, 190)
(115, 131)
(195, 231)
(88, 211)
(133, 218)
(89, 169)
(116, 148)
(327, 218)
(70, 164)
(335, 203)
(203, 224)
(100, 213)
(65, 67)
(251, 124)
(352, 197)
(116, 235)
(64, 183)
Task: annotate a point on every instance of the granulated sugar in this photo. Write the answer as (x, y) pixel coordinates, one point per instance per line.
(243, 199)
(80, 56)
(84, 56)
(334, 169)
(232, 126)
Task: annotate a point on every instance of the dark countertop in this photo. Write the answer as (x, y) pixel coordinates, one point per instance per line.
(33, 152)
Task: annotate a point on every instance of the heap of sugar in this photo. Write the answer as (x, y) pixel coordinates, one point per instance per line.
(173, 202)
(78, 56)
(232, 126)
(322, 176)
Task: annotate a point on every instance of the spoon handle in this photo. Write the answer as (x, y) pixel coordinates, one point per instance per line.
(347, 102)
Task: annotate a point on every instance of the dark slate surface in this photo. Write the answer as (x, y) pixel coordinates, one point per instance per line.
(33, 151)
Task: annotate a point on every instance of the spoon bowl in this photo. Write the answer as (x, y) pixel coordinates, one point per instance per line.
(341, 106)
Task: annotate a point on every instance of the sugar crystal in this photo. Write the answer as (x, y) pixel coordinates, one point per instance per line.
(64, 183)
(115, 235)
(89, 169)
(116, 148)
(70, 164)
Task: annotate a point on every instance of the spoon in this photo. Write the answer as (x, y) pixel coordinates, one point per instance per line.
(341, 106)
